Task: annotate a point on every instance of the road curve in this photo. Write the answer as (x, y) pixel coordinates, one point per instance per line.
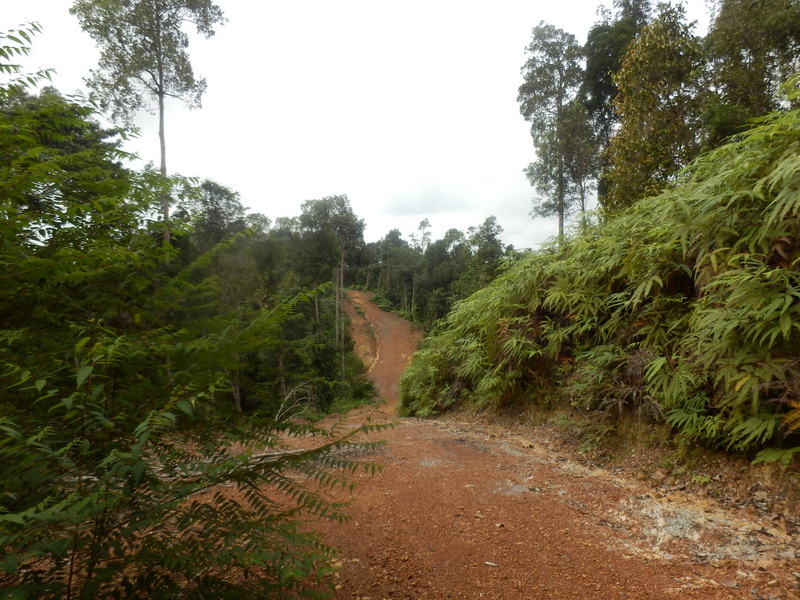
(384, 341)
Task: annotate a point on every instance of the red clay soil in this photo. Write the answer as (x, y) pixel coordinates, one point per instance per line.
(465, 509)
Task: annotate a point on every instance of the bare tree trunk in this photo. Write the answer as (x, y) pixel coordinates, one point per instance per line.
(284, 391)
(316, 307)
(337, 309)
(341, 319)
(413, 292)
(163, 143)
(236, 391)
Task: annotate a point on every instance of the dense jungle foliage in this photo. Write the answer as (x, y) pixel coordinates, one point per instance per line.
(422, 279)
(684, 307)
(148, 386)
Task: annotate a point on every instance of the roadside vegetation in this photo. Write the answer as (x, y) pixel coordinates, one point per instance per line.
(677, 301)
(152, 387)
(683, 308)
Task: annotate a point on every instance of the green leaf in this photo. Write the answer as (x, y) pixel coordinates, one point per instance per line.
(12, 518)
(138, 470)
(81, 343)
(186, 407)
(9, 564)
(84, 374)
(68, 401)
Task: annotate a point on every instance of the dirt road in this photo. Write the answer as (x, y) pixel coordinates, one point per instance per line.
(464, 509)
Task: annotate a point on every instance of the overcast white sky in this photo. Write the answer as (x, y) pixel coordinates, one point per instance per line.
(407, 107)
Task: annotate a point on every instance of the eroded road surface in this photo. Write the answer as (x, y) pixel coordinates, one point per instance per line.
(467, 509)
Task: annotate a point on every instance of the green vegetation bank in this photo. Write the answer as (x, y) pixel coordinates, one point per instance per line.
(684, 307)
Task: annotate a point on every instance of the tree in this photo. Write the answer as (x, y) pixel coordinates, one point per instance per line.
(424, 239)
(333, 216)
(16, 81)
(581, 150)
(658, 107)
(445, 261)
(552, 75)
(405, 263)
(216, 212)
(752, 49)
(79, 160)
(576, 153)
(606, 44)
(486, 252)
(143, 57)
(385, 253)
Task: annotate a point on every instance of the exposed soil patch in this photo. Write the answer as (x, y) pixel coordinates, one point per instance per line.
(466, 508)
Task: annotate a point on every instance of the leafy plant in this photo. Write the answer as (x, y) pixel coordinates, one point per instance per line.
(702, 479)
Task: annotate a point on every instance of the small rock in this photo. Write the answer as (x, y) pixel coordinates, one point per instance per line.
(729, 583)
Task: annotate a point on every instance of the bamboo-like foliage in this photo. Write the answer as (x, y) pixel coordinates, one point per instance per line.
(686, 306)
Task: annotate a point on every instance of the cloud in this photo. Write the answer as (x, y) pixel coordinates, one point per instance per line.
(429, 197)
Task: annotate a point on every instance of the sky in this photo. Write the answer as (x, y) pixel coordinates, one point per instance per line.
(409, 108)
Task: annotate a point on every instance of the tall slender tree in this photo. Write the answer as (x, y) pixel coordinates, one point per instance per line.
(143, 58)
(333, 216)
(606, 44)
(424, 239)
(552, 75)
(576, 153)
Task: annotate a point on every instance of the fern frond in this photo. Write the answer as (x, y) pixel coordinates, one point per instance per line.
(792, 418)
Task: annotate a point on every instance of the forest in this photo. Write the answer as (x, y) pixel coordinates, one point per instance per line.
(159, 342)
(159, 345)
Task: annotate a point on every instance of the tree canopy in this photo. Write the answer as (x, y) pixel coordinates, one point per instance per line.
(144, 58)
(658, 108)
(552, 77)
